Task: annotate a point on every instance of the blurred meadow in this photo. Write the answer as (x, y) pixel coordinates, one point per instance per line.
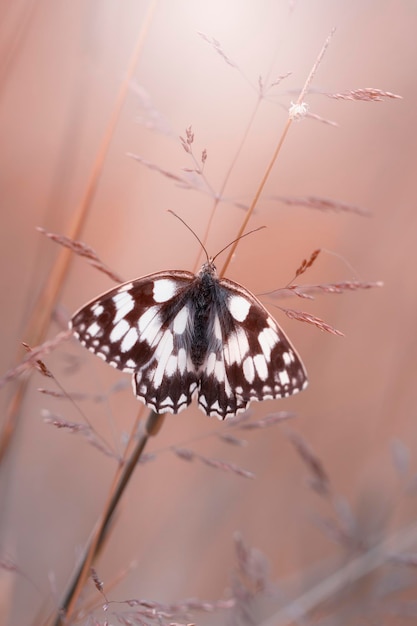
(332, 486)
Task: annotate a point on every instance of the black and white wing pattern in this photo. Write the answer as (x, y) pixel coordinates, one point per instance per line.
(182, 334)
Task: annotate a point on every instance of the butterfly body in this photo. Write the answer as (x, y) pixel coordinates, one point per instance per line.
(183, 334)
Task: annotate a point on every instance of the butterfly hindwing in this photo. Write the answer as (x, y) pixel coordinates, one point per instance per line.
(167, 381)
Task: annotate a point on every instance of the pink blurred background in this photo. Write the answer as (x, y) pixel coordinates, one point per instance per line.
(61, 67)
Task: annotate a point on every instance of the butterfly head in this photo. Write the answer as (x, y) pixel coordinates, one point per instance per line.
(208, 268)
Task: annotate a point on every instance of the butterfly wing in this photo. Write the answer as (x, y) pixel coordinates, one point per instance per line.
(250, 358)
(143, 327)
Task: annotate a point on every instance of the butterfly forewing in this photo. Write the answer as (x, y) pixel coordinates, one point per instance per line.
(180, 334)
(122, 324)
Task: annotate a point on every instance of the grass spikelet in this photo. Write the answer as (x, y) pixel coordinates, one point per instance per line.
(225, 466)
(81, 249)
(303, 316)
(269, 420)
(216, 45)
(306, 264)
(369, 94)
(319, 478)
(324, 204)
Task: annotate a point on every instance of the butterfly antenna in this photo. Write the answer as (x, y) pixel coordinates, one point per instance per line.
(255, 230)
(195, 234)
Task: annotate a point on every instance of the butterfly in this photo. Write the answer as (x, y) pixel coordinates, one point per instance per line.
(183, 335)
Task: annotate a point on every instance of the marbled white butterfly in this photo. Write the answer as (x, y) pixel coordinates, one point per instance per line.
(182, 334)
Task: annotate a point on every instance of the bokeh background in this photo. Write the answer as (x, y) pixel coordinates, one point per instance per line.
(62, 65)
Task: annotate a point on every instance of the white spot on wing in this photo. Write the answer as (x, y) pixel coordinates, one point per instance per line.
(284, 378)
(97, 309)
(93, 329)
(217, 328)
(180, 321)
(149, 325)
(249, 369)
(182, 360)
(119, 331)
(182, 399)
(171, 366)
(163, 289)
(165, 409)
(124, 303)
(162, 354)
(129, 340)
(219, 371)
(260, 366)
(239, 307)
(268, 338)
(237, 347)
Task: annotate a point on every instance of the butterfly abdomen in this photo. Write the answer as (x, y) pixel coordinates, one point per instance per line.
(204, 299)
